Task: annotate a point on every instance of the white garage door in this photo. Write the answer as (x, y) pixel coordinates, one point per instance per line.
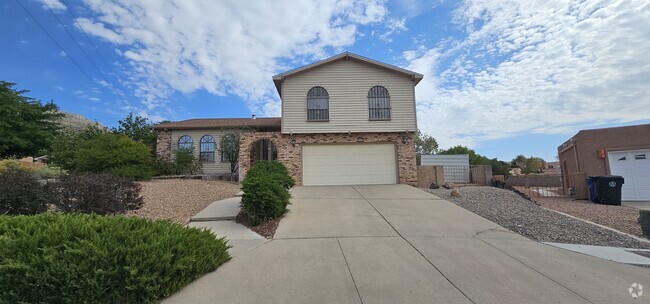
(349, 164)
(634, 166)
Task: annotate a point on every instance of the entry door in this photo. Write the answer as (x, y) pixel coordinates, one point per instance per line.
(349, 164)
(634, 166)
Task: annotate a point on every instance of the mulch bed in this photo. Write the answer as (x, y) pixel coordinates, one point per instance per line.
(265, 229)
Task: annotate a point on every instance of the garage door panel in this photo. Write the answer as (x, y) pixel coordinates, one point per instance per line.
(634, 166)
(349, 164)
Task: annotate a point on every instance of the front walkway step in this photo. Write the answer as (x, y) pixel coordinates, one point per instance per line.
(240, 238)
(223, 210)
(616, 254)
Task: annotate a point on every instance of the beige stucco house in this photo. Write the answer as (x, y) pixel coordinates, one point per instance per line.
(345, 120)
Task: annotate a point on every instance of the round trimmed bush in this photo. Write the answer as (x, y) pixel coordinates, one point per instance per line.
(82, 258)
(264, 198)
(272, 170)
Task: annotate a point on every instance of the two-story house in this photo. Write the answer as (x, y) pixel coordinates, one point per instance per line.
(346, 120)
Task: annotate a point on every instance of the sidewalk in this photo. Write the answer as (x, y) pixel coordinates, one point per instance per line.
(219, 217)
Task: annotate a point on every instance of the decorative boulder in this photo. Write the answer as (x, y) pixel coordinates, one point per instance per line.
(449, 185)
(455, 193)
(434, 186)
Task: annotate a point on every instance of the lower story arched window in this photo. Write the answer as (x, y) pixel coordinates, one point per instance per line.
(185, 142)
(207, 148)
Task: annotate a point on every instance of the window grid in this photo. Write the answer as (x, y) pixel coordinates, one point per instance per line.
(378, 103)
(185, 142)
(207, 148)
(318, 104)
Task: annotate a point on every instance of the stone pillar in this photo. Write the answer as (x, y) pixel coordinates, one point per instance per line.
(164, 145)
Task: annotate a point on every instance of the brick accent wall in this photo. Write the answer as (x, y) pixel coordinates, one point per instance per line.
(164, 145)
(291, 156)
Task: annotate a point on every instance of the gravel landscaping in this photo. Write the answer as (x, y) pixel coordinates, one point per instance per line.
(180, 199)
(622, 218)
(520, 215)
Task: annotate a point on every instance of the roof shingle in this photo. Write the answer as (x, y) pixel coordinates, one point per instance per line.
(219, 123)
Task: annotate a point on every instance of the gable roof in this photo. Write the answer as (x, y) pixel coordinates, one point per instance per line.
(279, 78)
(220, 123)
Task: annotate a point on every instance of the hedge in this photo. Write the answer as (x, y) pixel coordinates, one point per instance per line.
(272, 170)
(265, 191)
(82, 258)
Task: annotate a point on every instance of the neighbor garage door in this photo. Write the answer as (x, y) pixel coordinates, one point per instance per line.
(634, 166)
(349, 164)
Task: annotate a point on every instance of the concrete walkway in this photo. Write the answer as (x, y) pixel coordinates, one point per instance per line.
(219, 218)
(398, 244)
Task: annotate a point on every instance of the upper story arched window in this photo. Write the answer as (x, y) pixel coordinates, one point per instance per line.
(207, 148)
(185, 142)
(318, 101)
(378, 103)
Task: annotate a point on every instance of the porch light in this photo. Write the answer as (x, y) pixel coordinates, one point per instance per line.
(293, 142)
(405, 140)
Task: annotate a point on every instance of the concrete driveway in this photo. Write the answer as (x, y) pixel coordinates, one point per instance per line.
(399, 244)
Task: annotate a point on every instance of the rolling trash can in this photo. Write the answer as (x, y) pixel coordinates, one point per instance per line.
(592, 189)
(608, 189)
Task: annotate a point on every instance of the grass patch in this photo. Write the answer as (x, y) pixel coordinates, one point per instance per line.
(87, 258)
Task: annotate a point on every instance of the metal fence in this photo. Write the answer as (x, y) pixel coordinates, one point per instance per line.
(537, 185)
(457, 174)
(537, 191)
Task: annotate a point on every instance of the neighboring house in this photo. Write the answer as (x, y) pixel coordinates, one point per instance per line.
(345, 120)
(551, 167)
(621, 151)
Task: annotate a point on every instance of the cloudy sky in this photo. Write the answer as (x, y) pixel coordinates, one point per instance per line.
(503, 77)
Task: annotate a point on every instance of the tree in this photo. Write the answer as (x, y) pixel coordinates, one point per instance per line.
(475, 159)
(115, 154)
(137, 128)
(424, 144)
(64, 144)
(528, 164)
(230, 150)
(27, 125)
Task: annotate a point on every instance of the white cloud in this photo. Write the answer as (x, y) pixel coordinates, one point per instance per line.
(55, 5)
(393, 26)
(547, 66)
(224, 47)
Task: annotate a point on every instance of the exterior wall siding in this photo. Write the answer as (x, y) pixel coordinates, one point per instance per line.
(291, 155)
(347, 83)
(215, 167)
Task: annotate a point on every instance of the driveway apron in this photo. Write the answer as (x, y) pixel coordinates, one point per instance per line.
(399, 244)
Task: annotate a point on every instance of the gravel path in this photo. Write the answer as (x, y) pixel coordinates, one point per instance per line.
(520, 215)
(622, 218)
(180, 199)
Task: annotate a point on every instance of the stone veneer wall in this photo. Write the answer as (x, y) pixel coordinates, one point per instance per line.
(164, 145)
(291, 156)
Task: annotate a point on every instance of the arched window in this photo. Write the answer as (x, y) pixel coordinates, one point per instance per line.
(378, 103)
(207, 148)
(318, 104)
(185, 142)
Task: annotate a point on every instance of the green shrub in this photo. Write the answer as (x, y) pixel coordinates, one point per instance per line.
(263, 199)
(95, 193)
(644, 221)
(77, 258)
(274, 171)
(20, 193)
(184, 162)
(7, 164)
(115, 154)
(47, 172)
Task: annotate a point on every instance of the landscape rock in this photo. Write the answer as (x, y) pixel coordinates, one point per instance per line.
(448, 185)
(434, 186)
(522, 216)
(455, 193)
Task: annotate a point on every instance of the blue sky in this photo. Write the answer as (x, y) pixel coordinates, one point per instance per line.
(503, 77)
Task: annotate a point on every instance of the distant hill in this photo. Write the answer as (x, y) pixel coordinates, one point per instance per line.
(76, 122)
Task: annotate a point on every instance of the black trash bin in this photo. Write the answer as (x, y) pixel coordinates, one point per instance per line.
(608, 189)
